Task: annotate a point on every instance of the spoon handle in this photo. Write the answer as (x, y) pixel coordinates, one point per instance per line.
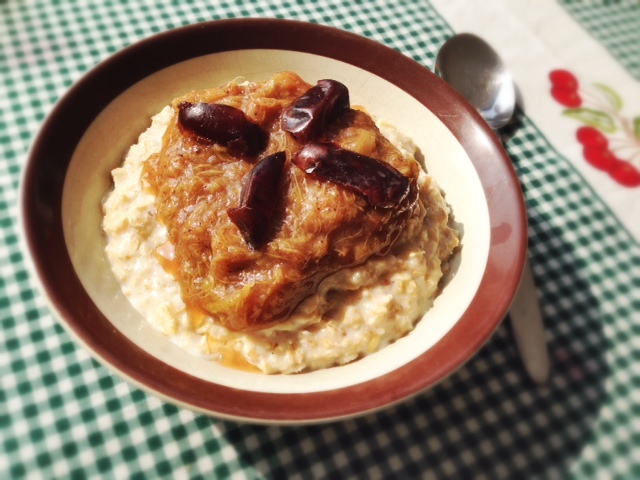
(528, 328)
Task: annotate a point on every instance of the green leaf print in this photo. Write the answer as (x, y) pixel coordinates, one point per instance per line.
(593, 118)
(636, 127)
(611, 95)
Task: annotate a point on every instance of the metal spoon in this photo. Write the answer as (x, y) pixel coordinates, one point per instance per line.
(474, 69)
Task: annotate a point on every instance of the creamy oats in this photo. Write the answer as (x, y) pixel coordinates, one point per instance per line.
(353, 313)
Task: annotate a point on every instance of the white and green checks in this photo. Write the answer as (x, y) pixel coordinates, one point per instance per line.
(615, 24)
(62, 415)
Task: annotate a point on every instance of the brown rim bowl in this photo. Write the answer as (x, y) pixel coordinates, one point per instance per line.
(90, 128)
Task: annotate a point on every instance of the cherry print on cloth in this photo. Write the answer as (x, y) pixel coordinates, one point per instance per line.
(610, 141)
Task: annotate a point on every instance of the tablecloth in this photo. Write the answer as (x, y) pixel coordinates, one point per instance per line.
(63, 415)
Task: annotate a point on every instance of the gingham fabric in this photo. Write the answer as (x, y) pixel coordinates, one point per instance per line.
(63, 415)
(617, 28)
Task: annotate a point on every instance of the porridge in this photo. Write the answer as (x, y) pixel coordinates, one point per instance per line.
(247, 225)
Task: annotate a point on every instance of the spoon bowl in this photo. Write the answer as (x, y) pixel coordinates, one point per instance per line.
(474, 69)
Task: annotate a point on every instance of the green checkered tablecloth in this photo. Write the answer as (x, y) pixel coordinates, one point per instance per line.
(63, 415)
(618, 28)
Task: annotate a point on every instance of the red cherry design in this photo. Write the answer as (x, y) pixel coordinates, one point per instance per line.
(568, 98)
(592, 137)
(564, 89)
(625, 174)
(600, 158)
(563, 80)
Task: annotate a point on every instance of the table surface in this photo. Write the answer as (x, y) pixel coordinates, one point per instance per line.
(63, 415)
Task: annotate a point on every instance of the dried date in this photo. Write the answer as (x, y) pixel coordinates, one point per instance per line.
(224, 125)
(382, 185)
(254, 216)
(309, 115)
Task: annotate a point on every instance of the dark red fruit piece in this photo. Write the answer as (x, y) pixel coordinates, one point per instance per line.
(600, 158)
(625, 174)
(592, 138)
(568, 98)
(224, 125)
(309, 115)
(259, 198)
(381, 184)
(564, 80)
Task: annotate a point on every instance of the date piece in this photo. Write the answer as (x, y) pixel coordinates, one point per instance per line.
(382, 185)
(309, 115)
(224, 125)
(259, 198)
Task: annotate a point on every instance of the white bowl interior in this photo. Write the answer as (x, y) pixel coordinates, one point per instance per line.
(108, 138)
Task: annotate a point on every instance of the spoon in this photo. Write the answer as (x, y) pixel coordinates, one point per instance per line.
(474, 69)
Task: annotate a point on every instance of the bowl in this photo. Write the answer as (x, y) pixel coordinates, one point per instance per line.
(90, 129)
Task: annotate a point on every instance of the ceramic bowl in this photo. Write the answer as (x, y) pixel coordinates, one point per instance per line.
(90, 129)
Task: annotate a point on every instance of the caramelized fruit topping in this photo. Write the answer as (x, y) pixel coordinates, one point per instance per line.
(259, 197)
(309, 115)
(224, 125)
(381, 184)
